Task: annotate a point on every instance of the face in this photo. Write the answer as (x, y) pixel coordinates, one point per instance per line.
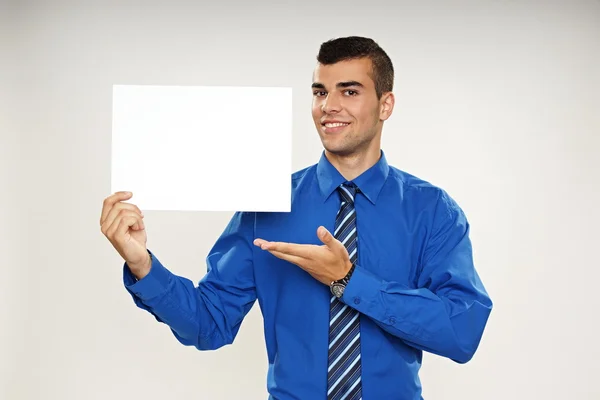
(345, 108)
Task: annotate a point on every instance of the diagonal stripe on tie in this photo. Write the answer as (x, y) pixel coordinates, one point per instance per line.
(344, 365)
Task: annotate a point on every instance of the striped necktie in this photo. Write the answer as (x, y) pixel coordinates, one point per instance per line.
(344, 366)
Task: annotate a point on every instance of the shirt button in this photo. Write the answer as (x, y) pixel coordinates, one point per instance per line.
(356, 300)
(392, 320)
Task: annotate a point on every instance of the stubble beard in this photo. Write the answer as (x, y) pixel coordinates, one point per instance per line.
(350, 145)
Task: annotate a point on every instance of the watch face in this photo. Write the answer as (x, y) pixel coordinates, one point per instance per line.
(337, 289)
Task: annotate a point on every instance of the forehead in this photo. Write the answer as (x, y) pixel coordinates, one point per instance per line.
(350, 70)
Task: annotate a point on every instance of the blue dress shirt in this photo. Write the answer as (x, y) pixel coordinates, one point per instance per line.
(414, 284)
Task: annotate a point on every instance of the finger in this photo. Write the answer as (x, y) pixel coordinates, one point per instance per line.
(110, 201)
(111, 225)
(124, 214)
(122, 228)
(113, 218)
(327, 238)
(117, 208)
(299, 261)
(293, 249)
(259, 242)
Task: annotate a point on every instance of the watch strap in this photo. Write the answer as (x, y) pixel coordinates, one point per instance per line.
(346, 278)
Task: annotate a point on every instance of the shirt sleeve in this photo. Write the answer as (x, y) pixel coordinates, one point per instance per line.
(446, 314)
(210, 314)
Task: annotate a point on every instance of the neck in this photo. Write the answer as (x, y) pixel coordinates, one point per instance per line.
(353, 165)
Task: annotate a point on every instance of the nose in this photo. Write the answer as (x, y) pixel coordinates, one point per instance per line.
(331, 104)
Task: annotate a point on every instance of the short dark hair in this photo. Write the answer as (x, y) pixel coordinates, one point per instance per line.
(355, 47)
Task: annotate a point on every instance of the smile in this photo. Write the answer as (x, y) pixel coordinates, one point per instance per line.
(336, 124)
(334, 127)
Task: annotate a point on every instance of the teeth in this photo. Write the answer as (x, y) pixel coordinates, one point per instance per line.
(335, 125)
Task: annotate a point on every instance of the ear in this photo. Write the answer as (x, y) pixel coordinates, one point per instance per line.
(387, 105)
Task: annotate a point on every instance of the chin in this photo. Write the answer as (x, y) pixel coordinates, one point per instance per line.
(338, 150)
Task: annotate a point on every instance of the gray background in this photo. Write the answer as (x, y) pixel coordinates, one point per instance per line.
(497, 102)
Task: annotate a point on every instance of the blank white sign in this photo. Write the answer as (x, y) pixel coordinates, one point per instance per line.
(203, 148)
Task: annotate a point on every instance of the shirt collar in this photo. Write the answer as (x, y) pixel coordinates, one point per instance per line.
(369, 182)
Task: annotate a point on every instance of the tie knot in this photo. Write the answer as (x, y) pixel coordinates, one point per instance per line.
(347, 191)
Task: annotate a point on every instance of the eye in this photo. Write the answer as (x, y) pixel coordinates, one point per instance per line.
(318, 92)
(351, 92)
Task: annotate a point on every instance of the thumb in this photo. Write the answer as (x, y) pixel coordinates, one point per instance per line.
(326, 237)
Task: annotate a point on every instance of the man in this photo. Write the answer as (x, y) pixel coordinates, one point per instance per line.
(371, 267)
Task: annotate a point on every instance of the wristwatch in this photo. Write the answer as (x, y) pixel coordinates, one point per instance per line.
(338, 287)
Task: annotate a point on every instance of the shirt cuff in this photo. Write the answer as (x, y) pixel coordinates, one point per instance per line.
(362, 291)
(155, 283)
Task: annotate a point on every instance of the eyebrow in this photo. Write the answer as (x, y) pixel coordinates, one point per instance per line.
(318, 85)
